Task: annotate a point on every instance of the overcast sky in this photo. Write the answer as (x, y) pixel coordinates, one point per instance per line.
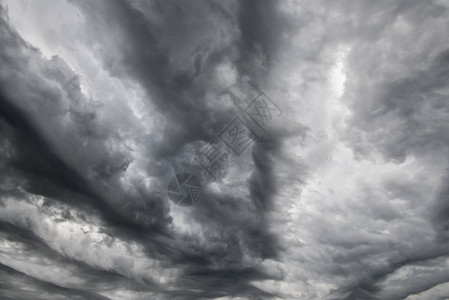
(343, 193)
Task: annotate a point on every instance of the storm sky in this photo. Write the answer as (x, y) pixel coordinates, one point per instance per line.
(342, 195)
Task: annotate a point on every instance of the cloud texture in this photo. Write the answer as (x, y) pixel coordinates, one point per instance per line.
(344, 196)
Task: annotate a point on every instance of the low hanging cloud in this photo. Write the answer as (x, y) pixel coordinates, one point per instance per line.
(343, 194)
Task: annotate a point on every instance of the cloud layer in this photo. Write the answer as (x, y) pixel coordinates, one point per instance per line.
(345, 196)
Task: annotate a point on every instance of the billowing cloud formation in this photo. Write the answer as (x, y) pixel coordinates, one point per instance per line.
(344, 196)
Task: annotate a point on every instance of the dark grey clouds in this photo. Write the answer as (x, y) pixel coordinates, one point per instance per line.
(344, 197)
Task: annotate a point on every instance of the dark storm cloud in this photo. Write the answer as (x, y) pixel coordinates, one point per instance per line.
(46, 168)
(54, 145)
(43, 172)
(89, 279)
(348, 213)
(377, 286)
(261, 26)
(176, 82)
(408, 100)
(400, 111)
(176, 85)
(18, 286)
(31, 163)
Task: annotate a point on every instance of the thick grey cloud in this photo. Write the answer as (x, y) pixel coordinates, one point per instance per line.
(58, 145)
(345, 196)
